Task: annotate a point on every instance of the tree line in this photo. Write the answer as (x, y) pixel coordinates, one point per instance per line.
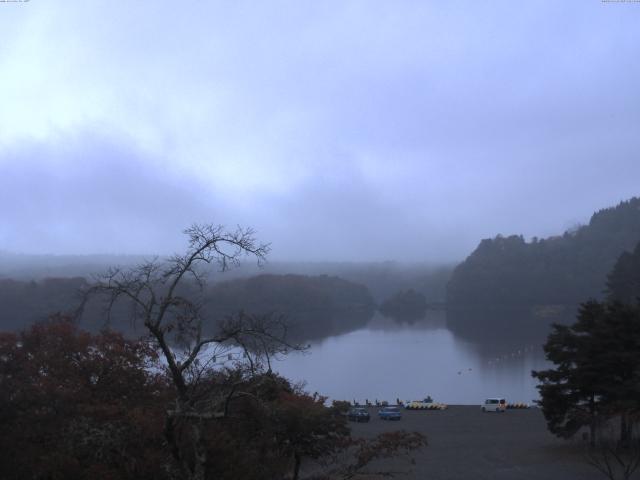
(316, 306)
(510, 271)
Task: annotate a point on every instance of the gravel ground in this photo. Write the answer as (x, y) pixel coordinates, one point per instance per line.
(465, 443)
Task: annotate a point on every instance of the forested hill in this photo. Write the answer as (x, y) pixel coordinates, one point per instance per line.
(561, 270)
(314, 306)
(288, 293)
(26, 302)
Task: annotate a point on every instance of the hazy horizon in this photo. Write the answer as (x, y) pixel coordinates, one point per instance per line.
(430, 262)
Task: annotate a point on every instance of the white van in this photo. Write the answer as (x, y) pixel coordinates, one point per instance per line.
(494, 405)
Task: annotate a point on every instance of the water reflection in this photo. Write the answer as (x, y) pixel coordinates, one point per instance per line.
(388, 360)
(431, 320)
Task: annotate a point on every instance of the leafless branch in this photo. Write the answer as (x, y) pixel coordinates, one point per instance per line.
(165, 296)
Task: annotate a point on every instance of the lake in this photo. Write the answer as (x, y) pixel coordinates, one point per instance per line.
(389, 360)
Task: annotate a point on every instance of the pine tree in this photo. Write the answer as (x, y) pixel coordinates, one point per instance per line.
(623, 283)
(597, 370)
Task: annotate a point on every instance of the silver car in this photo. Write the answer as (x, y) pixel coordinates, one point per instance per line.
(496, 404)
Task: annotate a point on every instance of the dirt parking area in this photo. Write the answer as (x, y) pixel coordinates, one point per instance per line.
(465, 443)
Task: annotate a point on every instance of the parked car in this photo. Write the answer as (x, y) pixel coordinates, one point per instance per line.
(358, 415)
(390, 413)
(494, 405)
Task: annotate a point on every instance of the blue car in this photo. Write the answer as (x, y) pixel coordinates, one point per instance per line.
(390, 413)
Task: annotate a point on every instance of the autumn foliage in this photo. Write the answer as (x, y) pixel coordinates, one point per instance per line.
(76, 405)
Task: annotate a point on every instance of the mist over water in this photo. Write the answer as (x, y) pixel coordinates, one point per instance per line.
(389, 361)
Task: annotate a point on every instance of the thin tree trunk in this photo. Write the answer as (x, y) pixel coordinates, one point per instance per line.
(199, 453)
(296, 467)
(592, 433)
(625, 430)
(594, 421)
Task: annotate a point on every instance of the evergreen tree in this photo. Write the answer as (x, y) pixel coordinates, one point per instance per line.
(623, 283)
(597, 373)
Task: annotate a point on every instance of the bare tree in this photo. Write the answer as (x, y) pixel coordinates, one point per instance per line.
(166, 297)
(613, 460)
(357, 455)
(616, 458)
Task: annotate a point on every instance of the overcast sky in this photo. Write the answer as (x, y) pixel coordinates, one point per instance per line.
(339, 130)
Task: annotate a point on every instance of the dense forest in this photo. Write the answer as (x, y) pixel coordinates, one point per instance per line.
(314, 306)
(26, 302)
(561, 270)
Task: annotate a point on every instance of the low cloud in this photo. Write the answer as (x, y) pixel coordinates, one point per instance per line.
(89, 194)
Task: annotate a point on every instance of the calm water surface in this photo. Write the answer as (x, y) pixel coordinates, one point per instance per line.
(388, 360)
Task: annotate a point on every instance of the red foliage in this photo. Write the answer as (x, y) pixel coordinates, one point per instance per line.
(77, 405)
